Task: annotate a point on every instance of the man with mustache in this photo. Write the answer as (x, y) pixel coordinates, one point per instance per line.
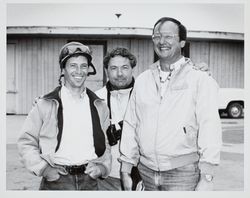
(119, 65)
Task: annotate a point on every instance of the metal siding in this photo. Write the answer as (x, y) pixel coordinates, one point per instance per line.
(143, 50)
(39, 69)
(51, 66)
(225, 60)
(11, 83)
(114, 43)
(199, 52)
(23, 75)
(135, 52)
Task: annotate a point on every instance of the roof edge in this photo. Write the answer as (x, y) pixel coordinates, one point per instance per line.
(114, 31)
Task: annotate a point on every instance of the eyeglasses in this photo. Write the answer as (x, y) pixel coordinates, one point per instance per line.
(166, 36)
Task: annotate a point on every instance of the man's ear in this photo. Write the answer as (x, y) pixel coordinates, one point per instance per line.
(183, 43)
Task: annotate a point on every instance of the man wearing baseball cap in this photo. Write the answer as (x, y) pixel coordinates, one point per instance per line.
(63, 138)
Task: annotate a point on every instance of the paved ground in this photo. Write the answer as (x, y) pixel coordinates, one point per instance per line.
(230, 173)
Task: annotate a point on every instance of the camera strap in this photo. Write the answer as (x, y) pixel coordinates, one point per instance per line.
(110, 88)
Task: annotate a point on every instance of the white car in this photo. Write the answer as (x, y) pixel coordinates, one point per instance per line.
(231, 101)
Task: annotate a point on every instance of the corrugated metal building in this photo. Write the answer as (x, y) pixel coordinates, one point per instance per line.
(32, 57)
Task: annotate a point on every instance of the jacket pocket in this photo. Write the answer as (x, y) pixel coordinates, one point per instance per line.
(190, 135)
(179, 86)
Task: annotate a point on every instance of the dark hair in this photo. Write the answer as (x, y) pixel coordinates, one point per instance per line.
(182, 28)
(119, 51)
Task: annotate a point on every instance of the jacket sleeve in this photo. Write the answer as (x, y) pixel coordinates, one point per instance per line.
(129, 148)
(209, 136)
(28, 142)
(106, 159)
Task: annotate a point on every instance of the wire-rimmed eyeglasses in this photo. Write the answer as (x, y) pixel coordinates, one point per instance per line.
(166, 37)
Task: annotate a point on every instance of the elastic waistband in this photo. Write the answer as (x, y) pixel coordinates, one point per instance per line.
(171, 163)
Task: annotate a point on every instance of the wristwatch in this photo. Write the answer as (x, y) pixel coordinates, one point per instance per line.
(208, 177)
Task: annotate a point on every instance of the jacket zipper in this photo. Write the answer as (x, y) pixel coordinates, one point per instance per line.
(158, 115)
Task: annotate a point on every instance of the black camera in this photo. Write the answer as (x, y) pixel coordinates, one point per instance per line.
(114, 135)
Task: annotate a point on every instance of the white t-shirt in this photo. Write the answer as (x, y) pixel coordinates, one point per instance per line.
(77, 143)
(165, 76)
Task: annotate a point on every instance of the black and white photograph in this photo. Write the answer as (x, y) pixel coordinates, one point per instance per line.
(129, 96)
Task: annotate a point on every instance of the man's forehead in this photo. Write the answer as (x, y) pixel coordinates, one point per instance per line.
(119, 58)
(77, 58)
(166, 26)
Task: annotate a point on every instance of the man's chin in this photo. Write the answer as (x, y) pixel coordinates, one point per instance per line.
(79, 84)
(119, 86)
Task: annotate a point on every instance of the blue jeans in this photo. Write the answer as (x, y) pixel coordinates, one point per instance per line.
(70, 182)
(109, 183)
(184, 178)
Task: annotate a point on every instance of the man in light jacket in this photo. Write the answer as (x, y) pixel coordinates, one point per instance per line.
(172, 127)
(63, 138)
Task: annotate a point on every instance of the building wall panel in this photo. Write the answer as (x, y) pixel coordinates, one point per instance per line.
(227, 65)
(113, 43)
(143, 50)
(225, 60)
(199, 52)
(37, 67)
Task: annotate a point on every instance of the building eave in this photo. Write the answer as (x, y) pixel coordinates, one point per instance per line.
(115, 31)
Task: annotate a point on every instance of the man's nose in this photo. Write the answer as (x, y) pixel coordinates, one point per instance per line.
(119, 72)
(78, 69)
(162, 40)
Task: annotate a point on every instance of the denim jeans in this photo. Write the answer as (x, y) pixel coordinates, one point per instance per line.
(109, 184)
(184, 178)
(70, 182)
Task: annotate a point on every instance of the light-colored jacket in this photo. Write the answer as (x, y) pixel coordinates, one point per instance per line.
(42, 130)
(118, 101)
(179, 128)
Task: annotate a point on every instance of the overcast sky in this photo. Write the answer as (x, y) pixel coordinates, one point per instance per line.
(205, 17)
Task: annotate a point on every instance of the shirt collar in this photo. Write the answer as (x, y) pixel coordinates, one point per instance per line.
(175, 66)
(121, 91)
(65, 90)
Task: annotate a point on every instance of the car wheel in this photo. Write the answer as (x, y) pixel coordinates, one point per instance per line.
(235, 110)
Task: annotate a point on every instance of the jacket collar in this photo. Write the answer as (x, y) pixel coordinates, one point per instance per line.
(55, 94)
(155, 71)
(92, 96)
(155, 65)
